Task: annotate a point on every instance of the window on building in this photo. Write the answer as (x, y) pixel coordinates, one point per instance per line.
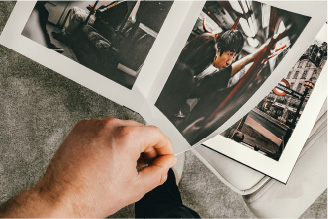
(300, 65)
(289, 74)
(304, 74)
(281, 100)
(308, 64)
(296, 74)
(299, 86)
(314, 73)
(291, 85)
(294, 103)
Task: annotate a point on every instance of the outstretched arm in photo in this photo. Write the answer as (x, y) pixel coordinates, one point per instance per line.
(241, 63)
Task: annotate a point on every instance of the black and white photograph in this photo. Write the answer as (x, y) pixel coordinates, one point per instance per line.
(268, 127)
(217, 111)
(232, 49)
(112, 38)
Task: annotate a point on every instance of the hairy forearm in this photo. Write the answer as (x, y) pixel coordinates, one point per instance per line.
(32, 203)
(93, 173)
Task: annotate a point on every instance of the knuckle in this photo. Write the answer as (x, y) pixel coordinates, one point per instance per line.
(125, 132)
(155, 129)
(136, 122)
(123, 137)
(168, 142)
(109, 121)
(164, 137)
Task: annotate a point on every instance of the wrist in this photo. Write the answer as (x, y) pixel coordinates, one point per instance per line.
(27, 204)
(55, 200)
(35, 203)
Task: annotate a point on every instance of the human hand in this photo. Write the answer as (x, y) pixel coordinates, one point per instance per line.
(93, 173)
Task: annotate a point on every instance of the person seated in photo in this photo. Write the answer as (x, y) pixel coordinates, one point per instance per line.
(112, 13)
(218, 75)
(203, 67)
(196, 56)
(211, 92)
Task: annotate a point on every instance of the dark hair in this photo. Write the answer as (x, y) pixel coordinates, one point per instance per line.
(199, 52)
(231, 40)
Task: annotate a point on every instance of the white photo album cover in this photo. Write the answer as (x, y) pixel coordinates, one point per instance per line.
(192, 68)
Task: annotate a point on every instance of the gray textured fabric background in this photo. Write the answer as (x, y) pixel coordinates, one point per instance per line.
(38, 109)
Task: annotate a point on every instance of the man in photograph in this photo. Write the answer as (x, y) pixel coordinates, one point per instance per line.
(203, 67)
(218, 73)
(214, 85)
(217, 76)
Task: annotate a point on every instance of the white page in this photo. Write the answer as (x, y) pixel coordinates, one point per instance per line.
(317, 13)
(161, 50)
(280, 169)
(188, 12)
(13, 39)
(157, 65)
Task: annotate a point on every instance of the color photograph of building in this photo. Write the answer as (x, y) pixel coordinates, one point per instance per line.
(268, 127)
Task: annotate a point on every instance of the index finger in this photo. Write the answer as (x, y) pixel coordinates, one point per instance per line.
(151, 136)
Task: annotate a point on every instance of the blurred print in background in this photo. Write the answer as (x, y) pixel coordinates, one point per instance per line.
(112, 38)
(268, 127)
(205, 88)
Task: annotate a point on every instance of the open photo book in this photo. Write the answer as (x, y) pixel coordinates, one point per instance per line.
(244, 78)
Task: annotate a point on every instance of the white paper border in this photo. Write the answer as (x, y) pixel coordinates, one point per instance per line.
(177, 28)
(278, 170)
(281, 169)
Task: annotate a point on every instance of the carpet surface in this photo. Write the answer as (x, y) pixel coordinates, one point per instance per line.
(38, 109)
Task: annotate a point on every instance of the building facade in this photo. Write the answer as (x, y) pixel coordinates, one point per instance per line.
(307, 68)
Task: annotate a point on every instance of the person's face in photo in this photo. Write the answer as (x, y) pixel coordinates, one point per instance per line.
(223, 60)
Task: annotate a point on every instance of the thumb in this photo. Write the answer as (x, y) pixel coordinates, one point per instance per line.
(156, 173)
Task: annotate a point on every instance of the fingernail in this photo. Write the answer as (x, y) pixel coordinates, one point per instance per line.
(173, 161)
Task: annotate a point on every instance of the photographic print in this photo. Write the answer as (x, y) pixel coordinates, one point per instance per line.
(268, 127)
(230, 55)
(111, 38)
(233, 48)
